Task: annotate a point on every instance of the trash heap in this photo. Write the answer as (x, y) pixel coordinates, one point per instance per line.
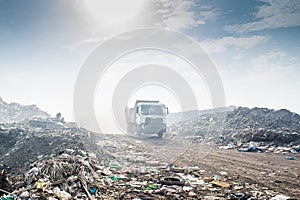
(15, 112)
(275, 127)
(204, 128)
(270, 130)
(20, 146)
(76, 174)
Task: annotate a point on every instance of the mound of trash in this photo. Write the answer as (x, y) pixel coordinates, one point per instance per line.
(15, 112)
(243, 117)
(242, 125)
(19, 147)
(276, 127)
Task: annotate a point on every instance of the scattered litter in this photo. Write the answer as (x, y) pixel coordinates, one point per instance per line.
(172, 181)
(291, 158)
(280, 197)
(250, 149)
(152, 186)
(221, 184)
(93, 190)
(224, 173)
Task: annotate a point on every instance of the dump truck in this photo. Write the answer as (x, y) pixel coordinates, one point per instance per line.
(147, 117)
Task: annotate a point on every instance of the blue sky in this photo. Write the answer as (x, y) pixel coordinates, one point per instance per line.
(254, 44)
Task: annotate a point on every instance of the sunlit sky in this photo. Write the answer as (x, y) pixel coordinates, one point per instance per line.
(254, 44)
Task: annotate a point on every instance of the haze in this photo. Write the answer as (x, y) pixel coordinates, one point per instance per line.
(254, 45)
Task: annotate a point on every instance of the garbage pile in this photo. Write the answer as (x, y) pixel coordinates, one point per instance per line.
(19, 146)
(15, 112)
(277, 127)
(60, 177)
(271, 130)
(204, 128)
(76, 174)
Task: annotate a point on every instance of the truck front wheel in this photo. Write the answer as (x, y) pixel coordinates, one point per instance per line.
(160, 133)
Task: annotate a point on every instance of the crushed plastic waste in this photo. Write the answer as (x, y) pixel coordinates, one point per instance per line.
(250, 149)
(7, 197)
(152, 186)
(280, 197)
(93, 190)
(172, 181)
(291, 158)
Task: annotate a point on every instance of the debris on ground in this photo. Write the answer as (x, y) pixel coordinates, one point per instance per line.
(72, 163)
(291, 158)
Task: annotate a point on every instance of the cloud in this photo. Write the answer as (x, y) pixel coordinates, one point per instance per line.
(273, 14)
(181, 15)
(173, 14)
(267, 80)
(221, 45)
(177, 14)
(104, 18)
(75, 45)
(274, 63)
(209, 13)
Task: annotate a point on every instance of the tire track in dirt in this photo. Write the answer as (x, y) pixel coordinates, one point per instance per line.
(249, 167)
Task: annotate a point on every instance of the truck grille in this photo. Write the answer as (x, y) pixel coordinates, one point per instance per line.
(153, 121)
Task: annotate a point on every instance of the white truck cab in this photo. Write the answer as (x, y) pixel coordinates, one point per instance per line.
(148, 117)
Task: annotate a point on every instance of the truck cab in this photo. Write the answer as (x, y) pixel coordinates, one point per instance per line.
(147, 117)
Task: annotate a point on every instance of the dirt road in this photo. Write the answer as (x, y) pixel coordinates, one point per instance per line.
(266, 172)
(272, 171)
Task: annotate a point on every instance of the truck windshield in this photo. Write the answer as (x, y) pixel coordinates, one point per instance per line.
(152, 110)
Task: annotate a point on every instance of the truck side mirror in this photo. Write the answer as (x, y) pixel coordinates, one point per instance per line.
(167, 111)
